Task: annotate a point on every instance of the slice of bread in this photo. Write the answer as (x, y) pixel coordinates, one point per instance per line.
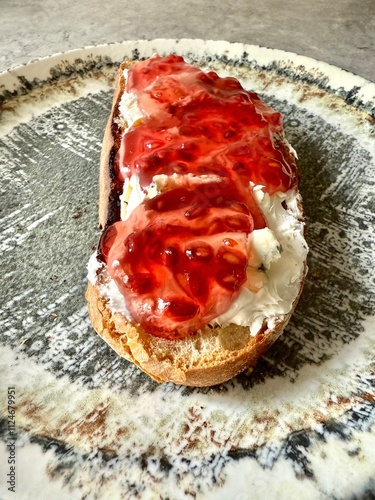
(215, 353)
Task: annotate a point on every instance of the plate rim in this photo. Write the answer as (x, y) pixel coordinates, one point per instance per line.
(354, 89)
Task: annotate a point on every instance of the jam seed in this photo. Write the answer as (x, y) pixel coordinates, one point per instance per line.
(238, 223)
(230, 242)
(200, 252)
(234, 259)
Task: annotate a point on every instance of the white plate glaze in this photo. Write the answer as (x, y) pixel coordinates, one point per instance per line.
(90, 425)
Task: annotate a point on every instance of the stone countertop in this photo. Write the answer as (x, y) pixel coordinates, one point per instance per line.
(342, 34)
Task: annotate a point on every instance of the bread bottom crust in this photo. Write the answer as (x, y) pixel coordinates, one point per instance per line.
(208, 357)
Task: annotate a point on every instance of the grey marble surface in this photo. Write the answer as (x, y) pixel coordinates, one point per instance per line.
(341, 33)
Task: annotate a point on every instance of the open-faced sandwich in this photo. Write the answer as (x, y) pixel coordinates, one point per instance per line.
(202, 257)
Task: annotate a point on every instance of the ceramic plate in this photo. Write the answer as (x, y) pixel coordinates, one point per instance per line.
(78, 421)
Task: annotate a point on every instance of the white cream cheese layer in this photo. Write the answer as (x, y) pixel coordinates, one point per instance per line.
(129, 111)
(277, 261)
(276, 254)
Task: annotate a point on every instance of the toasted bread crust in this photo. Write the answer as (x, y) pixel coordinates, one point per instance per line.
(108, 190)
(210, 356)
(161, 359)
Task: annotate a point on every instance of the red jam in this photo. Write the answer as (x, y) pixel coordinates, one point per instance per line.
(181, 257)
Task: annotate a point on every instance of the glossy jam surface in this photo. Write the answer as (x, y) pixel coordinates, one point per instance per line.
(181, 257)
(200, 123)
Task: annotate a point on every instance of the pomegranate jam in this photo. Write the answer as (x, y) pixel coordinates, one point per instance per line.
(181, 257)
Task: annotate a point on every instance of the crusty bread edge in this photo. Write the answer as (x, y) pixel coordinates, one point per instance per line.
(108, 196)
(131, 341)
(134, 344)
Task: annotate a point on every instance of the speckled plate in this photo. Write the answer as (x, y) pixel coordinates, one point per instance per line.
(91, 425)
